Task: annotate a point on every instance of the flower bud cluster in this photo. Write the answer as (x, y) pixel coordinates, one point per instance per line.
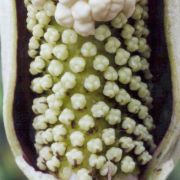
(82, 15)
(90, 89)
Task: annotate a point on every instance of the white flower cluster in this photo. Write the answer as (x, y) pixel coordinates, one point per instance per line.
(75, 70)
(82, 14)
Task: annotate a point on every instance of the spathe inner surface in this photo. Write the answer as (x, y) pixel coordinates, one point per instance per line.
(160, 68)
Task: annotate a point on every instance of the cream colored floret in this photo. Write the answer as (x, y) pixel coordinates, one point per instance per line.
(39, 105)
(63, 15)
(58, 148)
(39, 122)
(134, 106)
(100, 63)
(74, 157)
(81, 11)
(61, 52)
(141, 131)
(31, 10)
(46, 82)
(135, 83)
(145, 64)
(128, 165)
(95, 145)
(51, 35)
(143, 92)
(135, 63)
(68, 80)
(119, 21)
(110, 74)
(139, 147)
(88, 49)
(53, 164)
(66, 173)
(38, 138)
(59, 132)
(66, 117)
(42, 18)
(148, 122)
(32, 53)
(37, 31)
(139, 28)
(69, 36)
(132, 44)
(92, 83)
(77, 64)
(144, 158)
(138, 12)
(55, 68)
(36, 86)
(96, 161)
(33, 43)
(78, 101)
(114, 154)
(45, 153)
(46, 51)
(31, 23)
(102, 32)
(86, 123)
(41, 164)
(125, 75)
(100, 109)
(114, 116)
(50, 116)
(108, 168)
(115, 8)
(54, 103)
(111, 89)
(126, 143)
(59, 90)
(123, 97)
(45, 137)
(83, 174)
(143, 112)
(37, 66)
(49, 7)
(77, 139)
(128, 125)
(128, 31)
(99, 10)
(143, 45)
(121, 57)
(84, 28)
(108, 136)
(112, 45)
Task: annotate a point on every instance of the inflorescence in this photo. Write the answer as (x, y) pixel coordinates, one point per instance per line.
(92, 112)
